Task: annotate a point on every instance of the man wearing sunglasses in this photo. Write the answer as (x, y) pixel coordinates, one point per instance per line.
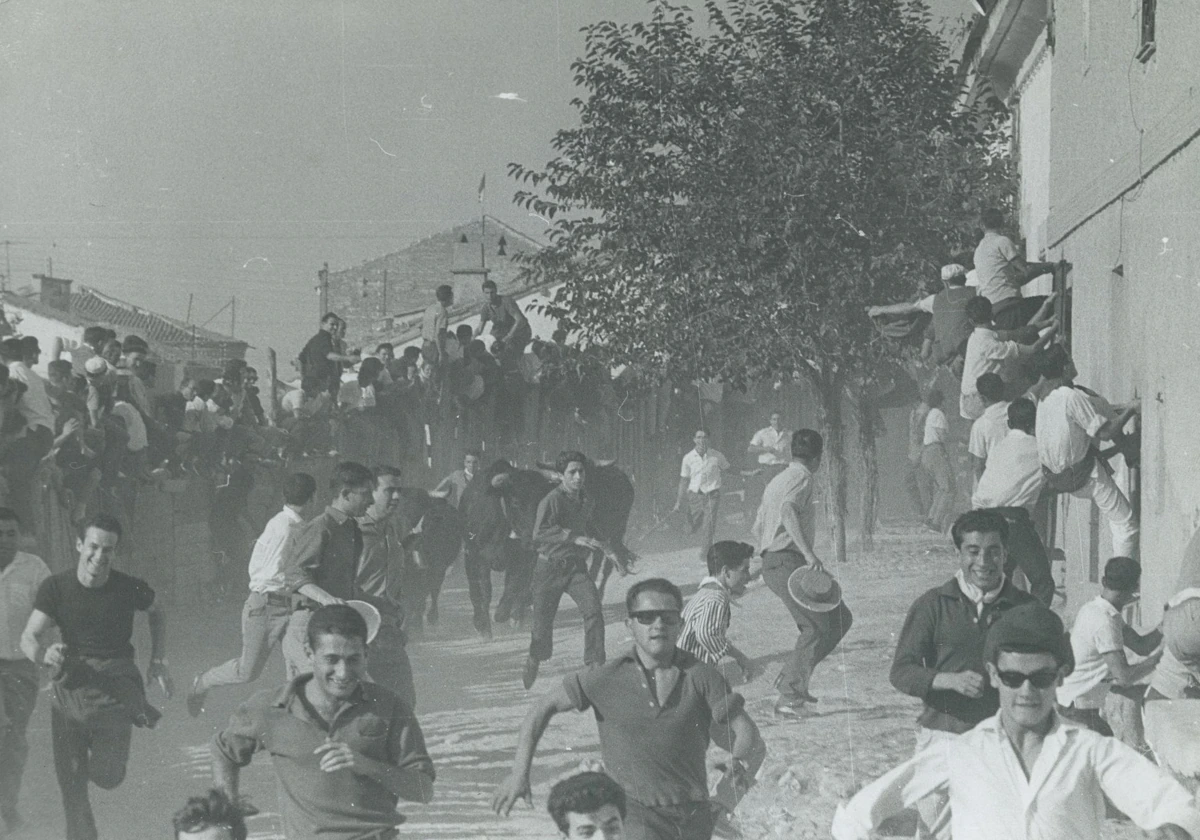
(657, 708)
(1025, 772)
(939, 656)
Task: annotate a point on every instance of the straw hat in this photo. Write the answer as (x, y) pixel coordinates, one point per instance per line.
(370, 615)
(814, 589)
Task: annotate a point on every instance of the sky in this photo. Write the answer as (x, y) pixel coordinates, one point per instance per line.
(180, 155)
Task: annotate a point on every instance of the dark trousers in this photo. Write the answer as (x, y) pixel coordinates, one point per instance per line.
(1014, 313)
(388, 663)
(1027, 553)
(518, 586)
(693, 821)
(703, 510)
(18, 692)
(95, 750)
(820, 632)
(551, 580)
(916, 485)
(478, 569)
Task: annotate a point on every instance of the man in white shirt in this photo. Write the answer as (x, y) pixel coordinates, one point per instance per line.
(434, 323)
(786, 530)
(1010, 485)
(1002, 272)
(700, 486)
(454, 485)
(915, 480)
(935, 461)
(992, 425)
(1099, 637)
(20, 576)
(1024, 773)
(988, 353)
(1069, 419)
(771, 447)
(269, 606)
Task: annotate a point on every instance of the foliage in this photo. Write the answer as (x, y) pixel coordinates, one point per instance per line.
(737, 190)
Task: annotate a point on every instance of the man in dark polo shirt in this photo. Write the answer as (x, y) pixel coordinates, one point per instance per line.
(98, 693)
(345, 750)
(939, 656)
(323, 564)
(657, 708)
(380, 567)
(322, 358)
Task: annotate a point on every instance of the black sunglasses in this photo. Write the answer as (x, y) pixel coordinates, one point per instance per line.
(648, 617)
(1040, 679)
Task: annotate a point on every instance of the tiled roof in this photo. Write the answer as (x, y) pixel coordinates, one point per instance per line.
(96, 308)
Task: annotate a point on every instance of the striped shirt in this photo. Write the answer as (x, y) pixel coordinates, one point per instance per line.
(706, 621)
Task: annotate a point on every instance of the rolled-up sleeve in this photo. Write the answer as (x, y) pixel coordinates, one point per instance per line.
(723, 702)
(242, 738)
(406, 745)
(1142, 790)
(910, 673)
(304, 554)
(574, 686)
(890, 794)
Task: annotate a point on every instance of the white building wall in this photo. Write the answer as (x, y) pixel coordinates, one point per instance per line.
(47, 331)
(1033, 147)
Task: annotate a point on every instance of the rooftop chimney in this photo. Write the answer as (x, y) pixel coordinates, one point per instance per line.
(55, 292)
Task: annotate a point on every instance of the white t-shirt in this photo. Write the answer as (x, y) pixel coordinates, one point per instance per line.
(703, 472)
(1067, 420)
(1013, 475)
(989, 430)
(992, 257)
(134, 426)
(986, 353)
(925, 304)
(292, 401)
(778, 441)
(1096, 631)
(937, 428)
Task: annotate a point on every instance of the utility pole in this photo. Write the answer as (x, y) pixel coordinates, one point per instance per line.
(384, 304)
(188, 319)
(233, 317)
(323, 277)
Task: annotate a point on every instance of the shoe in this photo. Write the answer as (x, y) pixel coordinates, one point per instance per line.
(808, 698)
(790, 709)
(195, 698)
(530, 673)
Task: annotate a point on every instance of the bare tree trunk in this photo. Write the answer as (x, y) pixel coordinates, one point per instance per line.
(833, 428)
(868, 431)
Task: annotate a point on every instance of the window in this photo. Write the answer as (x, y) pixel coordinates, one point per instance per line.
(1147, 30)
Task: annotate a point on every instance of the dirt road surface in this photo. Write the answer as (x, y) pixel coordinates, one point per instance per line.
(471, 703)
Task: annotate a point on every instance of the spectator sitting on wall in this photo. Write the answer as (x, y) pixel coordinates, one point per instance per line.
(254, 406)
(130, 386)
(509, 323)
(93, 341)
(100, 387)
(988, 353)
(321, 361)
(465, 334)
(370, 382)
(1003, 271)
(434, 324)
(386, 353)
(111, 352)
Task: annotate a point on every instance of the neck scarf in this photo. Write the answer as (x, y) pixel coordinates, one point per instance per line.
(976, 595)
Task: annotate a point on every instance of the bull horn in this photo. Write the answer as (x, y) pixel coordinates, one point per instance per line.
(606, 463)
(548, 474)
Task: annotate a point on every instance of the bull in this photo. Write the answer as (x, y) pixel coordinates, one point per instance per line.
(500, 509)
(435, 531)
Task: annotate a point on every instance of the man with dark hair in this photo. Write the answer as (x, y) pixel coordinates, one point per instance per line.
(1024, 771)
(21, 575)
(1099, 637)
(322, 566)
(345, 750)
(454, 485)
(210, 817)
(509, 323)
(378, 582)
(31, 350)
(269, 606)
(992, 425)
(706, 617)
(1003, 271)
(35, 440)
(98, 692)
(939, 655)
(321, 361)
(564, 535)
(657, 708)
(786, 529)
(988, 352)
(434, 324)
(1069, 420)
(588, 805)
(700, 486)
(1010, 485)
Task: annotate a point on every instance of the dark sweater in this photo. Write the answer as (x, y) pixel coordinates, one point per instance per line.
(944, 634)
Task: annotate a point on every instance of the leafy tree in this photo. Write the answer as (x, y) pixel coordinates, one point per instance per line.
(738, 189)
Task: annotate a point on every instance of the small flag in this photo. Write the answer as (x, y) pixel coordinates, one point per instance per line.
(482, 184)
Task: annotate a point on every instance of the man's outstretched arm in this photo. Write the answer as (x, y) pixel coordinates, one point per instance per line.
(516, 786)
